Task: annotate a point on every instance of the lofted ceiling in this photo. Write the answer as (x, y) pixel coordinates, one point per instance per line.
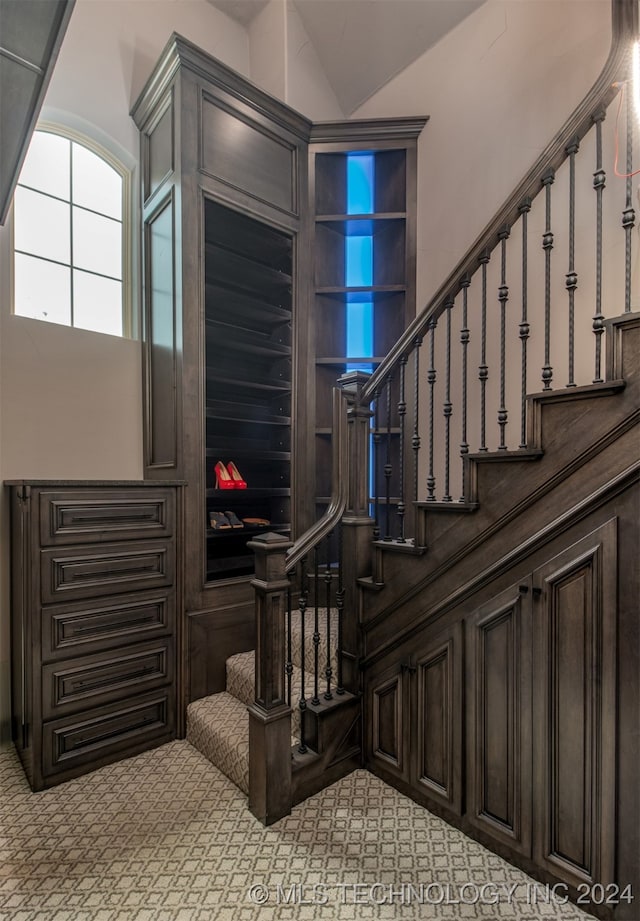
(362, 44)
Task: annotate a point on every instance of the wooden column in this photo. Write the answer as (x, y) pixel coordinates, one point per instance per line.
(270, 714)
(357, 522)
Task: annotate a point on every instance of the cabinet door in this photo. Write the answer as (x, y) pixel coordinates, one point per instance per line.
(437, 725)
(390, 721)
(575, 711)
(498, 638)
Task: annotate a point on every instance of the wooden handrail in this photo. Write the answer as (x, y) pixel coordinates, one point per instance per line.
(624, 30)
(307, 541)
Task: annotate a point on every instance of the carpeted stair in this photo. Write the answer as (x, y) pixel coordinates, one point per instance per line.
(218, 725)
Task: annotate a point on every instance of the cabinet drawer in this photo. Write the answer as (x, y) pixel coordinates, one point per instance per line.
(93, 680)
(87, 627)
(91, 517)
(100, 736)
(106, 570)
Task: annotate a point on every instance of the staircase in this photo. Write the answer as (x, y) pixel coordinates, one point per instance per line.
(218, 725)
(483, 581)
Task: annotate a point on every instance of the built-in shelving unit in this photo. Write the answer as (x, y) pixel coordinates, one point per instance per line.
(364, 245)
(248, 305)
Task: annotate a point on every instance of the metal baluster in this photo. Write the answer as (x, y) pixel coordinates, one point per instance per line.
(464, 340)
(483, 370)
(340, 609)
(547, 245)
(415, 440)
(316, 629)
(302, 606)
(628, 215)
(503, 297)
(524, 210)
(377, 438)
(387, 467)
(402, 411)
(572, 275)
(328, 579)
(447, 408)
(431, 378)
(599, 181)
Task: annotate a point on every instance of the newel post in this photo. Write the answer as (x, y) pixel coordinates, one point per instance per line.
(270, 714)
(357, 521)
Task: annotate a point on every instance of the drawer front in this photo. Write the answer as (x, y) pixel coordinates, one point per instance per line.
(73, 517)
(83, 628)
(95, 680)
(73, 744)
(105, 570)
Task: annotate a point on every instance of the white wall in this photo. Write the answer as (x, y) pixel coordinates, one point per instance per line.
(496, 88)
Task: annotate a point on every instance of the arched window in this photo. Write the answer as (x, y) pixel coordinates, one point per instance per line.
(69, 235)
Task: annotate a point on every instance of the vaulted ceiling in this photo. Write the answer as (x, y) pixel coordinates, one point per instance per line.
(362, 44)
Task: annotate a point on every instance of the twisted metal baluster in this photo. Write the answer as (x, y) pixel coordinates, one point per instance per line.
(447, 408)
(464, 339)
(316, 629)
(328, 579)
(503, 297)
(302, 606)
(431, 378)
(599, 181)
(547, 245)
(572, 275)
(377, 438)
(628, 215)
(340, 608)
(402, 411)
(483, 370)
(524, 209)
(415, 439)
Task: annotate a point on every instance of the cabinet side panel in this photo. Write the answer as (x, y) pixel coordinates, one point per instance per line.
(160, 337)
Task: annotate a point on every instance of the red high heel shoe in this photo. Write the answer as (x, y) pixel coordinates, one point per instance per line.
(223, 478)
(238, 482)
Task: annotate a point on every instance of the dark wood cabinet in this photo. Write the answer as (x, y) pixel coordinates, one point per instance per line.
(96, 601)
(226, 252)
(502, 718)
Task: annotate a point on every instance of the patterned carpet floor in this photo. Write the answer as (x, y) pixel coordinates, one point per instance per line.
(165, 836)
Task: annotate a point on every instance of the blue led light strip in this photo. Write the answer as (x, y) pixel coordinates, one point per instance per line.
(359, 259)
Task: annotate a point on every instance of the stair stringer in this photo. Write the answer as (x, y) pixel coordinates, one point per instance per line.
(586, 437)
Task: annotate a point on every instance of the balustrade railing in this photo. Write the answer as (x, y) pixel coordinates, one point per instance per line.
(524, 307)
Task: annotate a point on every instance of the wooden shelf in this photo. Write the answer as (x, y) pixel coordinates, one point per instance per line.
(247, 341)
(374, 289)
(240, 272)
(241, 306)
(248, 379)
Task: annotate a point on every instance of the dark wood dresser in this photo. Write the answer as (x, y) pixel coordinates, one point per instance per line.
(95, 620)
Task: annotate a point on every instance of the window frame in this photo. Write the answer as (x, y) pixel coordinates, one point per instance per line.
(129, 325)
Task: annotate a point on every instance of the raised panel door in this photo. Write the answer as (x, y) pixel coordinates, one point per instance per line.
(574, 710)
(498, 770)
